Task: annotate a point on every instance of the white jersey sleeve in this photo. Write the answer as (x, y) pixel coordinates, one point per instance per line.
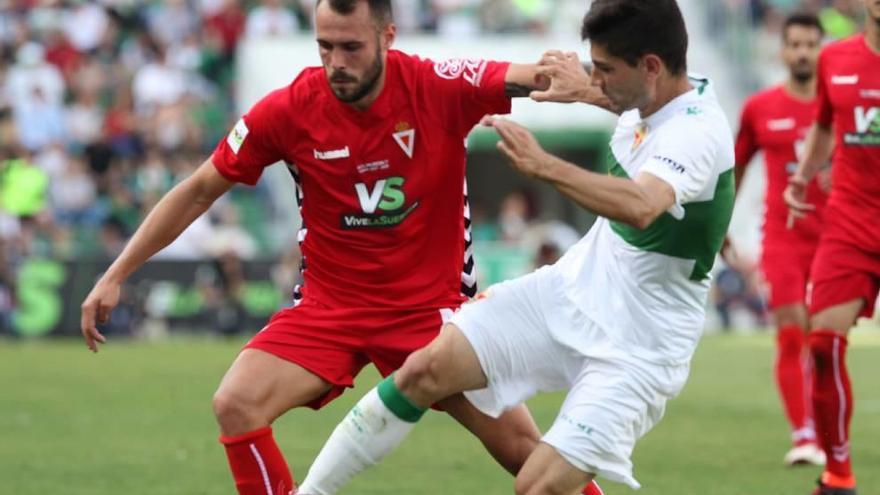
(685, 158)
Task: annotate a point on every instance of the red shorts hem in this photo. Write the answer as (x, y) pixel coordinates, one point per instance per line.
(337, 387)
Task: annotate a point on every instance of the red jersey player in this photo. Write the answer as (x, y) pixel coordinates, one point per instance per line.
(845, 276)
(375, 143)
(776, 121)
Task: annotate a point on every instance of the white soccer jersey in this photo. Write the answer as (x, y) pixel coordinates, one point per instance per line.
(647, 289)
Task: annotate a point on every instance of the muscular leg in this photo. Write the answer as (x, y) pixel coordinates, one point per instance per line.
(792, 375)
(256, 390)
(832, 393)
(548, 473)
(509, 439)
(380, 421)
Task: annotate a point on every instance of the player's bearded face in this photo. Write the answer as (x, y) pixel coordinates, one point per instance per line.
(624, 85)
(800, 51)
(873, 9)
(350, 88)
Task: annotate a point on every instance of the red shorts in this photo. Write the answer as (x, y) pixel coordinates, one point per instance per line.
(786, 270)
(843, 272)
(336, 343)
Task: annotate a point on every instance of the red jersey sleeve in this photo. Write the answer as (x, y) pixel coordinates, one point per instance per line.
(252, 145)
(746, 138)
(462, 91)
(824, 110)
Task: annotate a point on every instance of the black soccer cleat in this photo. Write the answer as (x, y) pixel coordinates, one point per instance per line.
(824, 489)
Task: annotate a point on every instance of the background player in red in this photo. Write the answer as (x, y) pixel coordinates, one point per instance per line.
(776, 122)
(375, 143)
(845, 276)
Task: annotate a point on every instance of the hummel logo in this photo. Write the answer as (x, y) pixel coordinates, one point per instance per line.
(332, 154)
(845, 80)
(781, 124)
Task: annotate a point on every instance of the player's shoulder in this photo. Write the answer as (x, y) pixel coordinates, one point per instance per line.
(764, 96)
(852, 45)
(308, 87)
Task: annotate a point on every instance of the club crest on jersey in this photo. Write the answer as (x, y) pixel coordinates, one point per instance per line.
(405, 137)
(639, 137)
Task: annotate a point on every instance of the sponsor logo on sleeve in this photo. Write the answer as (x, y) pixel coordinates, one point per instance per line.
(237, 136)
(470, 69)
(674, 165)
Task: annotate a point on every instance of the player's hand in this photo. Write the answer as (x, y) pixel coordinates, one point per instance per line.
(796, 198)
(728, 251)
(569, 81)
(96, 309)
(520, 147)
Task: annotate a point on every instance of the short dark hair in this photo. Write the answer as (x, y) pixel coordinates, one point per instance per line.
(629, 29)
(805, 19)
(380, 9)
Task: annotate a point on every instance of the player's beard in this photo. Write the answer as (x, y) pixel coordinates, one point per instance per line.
(802, 72)
(368, 82)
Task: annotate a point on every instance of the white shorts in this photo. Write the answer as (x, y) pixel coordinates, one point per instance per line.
(613, 400)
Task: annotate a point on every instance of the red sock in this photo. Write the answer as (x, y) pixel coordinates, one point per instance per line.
(257, 464)
(832, 399)
(593, 489)
(792, 383)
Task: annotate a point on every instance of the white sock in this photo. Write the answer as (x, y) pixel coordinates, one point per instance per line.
(368, 433)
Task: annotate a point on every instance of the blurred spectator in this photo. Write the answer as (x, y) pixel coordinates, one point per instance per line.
(457, 18)
(73, 197)
(229, 24)
(23, 187)
(170, 21)
(36, 92)
(85, 24)
(271, 19)
(839, 18)
(737, 287)
(157, 84)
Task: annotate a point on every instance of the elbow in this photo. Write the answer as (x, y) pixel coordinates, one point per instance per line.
(641, 217)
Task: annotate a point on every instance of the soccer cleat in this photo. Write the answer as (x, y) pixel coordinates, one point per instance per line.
(824, 489)
(808, 453)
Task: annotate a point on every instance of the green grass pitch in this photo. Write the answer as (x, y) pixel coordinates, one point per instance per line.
(136, 419)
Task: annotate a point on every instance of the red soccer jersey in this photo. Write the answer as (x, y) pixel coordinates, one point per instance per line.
(777, 123)
(849, 99)
(381, 191)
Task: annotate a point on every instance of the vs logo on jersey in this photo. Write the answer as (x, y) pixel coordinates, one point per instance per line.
(867, 122)
(382, 205)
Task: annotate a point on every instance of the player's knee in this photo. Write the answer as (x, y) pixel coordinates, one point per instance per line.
(418, 377)
(234, 413)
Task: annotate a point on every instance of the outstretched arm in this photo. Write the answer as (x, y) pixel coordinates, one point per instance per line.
(522, 79)
(168, 219)
(817, 152)
(635, 202)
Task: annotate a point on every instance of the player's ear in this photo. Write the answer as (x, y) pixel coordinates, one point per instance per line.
(389, 34)
(652, 65)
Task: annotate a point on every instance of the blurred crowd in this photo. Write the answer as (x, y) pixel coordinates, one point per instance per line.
(105, 105)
